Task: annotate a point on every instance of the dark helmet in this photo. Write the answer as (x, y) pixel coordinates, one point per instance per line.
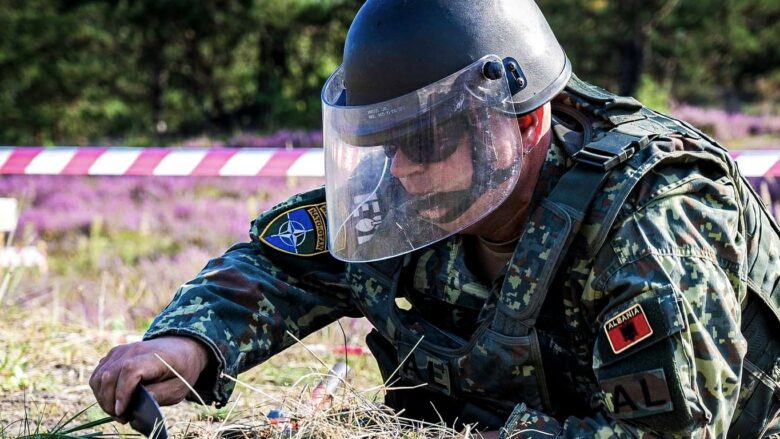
(398, 46)
(420, 130)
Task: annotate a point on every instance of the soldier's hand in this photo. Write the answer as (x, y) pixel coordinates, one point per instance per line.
(119, 372)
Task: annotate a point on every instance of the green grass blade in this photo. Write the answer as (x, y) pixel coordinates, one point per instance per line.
(87, 425)
(60, 427)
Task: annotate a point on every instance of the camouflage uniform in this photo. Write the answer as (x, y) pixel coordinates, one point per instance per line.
(640, 333)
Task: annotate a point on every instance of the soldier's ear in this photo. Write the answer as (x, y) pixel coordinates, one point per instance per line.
(527, 120)
(532, 125)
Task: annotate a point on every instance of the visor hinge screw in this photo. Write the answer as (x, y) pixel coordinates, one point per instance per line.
(493, 70)
(520, 82)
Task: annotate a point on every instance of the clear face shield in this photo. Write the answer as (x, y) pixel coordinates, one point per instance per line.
(405, 173)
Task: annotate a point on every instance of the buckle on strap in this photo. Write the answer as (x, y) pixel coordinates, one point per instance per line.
(611, 150)
(433, 371)
(439, 375)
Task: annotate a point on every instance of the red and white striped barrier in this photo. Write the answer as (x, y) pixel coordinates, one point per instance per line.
(229, 162)
(758, 163)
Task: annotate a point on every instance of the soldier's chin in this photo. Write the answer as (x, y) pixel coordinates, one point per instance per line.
(439, 208)
(435, 214)
(439, 217)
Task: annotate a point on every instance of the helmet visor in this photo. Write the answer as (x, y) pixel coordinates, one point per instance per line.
(405, 173)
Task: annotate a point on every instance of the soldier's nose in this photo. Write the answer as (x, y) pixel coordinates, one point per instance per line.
(402, 167)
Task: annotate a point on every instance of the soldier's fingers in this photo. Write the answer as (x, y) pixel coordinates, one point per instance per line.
(94, 382)
(135, 370)
(103, 378)
(106, 386)
(96, 379)
(168, 392)
(115, 354)
(106, 379)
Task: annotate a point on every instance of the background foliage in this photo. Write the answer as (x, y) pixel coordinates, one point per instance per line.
(157, 71)
(714, 52)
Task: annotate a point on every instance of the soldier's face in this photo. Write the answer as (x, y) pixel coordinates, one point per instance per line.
(452, 174)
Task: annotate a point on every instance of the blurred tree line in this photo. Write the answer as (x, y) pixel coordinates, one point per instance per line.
(149, 71)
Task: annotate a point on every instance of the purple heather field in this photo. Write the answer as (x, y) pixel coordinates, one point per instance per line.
(206, 211)
(728, 127)
(118, 247)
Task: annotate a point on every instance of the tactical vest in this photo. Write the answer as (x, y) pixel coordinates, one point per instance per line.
(622, 148)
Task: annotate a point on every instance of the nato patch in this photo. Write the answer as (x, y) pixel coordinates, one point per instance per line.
(627, 329)
(300, 231)
(638, 394)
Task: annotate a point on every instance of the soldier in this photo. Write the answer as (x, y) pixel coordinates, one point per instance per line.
(578, 265)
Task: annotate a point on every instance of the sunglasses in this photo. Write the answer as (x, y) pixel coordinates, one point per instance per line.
(435, 143)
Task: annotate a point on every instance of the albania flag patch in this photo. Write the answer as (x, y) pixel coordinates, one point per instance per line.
(627, 329)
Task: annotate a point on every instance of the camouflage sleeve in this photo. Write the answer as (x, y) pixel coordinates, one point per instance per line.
(242, 304)
(665, 305)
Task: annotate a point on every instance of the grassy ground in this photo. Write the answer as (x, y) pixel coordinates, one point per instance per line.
(45, 366)
(48, 350)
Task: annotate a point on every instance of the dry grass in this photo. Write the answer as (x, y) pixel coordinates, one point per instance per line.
(45, 367)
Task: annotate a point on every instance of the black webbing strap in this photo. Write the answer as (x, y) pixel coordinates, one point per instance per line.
(551, 229)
